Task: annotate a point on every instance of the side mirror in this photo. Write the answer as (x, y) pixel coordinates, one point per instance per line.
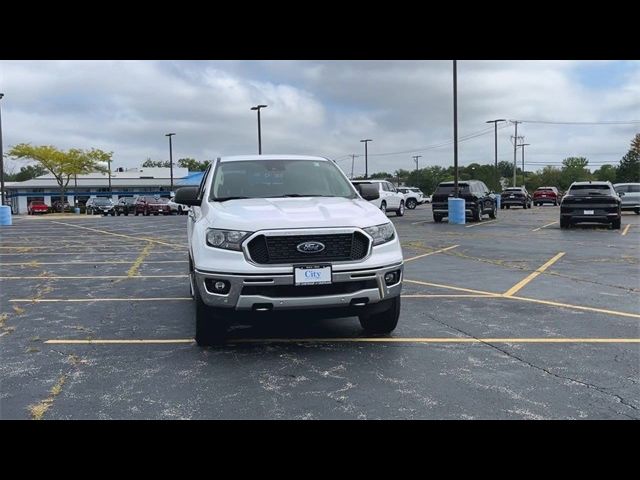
(187, 196)
(621, 194)
(368, 191)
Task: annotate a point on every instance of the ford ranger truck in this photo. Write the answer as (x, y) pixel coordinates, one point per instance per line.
(275, 233)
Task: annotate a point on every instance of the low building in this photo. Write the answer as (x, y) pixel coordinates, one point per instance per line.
(130, 182)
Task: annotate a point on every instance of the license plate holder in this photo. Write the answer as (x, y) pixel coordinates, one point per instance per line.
(312, 275)
(588, 212)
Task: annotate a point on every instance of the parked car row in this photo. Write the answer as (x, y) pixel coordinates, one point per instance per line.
(142, 205)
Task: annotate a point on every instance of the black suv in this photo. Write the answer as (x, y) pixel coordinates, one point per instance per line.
(591, 202)
(125, 206)
(515, 196)
(479, 200)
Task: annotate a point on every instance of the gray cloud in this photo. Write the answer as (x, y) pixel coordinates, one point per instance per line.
(316, 107)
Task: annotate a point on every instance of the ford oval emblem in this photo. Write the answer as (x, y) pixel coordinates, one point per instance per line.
(310, 247)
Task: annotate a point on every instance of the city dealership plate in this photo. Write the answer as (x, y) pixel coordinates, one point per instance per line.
(312, 275)
(588, 212)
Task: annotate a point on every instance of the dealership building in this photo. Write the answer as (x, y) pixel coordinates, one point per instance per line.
(130, 182)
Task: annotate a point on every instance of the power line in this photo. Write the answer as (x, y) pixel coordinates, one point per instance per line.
(604, 122)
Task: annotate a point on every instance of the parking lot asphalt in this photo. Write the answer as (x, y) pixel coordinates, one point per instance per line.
(506, 319)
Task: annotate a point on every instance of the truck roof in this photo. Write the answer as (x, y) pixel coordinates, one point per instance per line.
(240, 158)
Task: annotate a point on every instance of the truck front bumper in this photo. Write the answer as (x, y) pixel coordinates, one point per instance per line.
(352, 288)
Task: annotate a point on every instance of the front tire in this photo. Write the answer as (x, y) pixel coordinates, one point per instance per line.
(400, 211)
(616, 223)
(383, 207)
(477, 214)
(211, 327)
(411, 204)
(494, 213)
(382, 322)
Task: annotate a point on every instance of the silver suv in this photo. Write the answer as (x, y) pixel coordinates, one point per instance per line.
(270, 233)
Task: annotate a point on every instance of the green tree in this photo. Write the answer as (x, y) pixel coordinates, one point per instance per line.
(380, 176)
(606, 173)
(148, 163)
(26, 173)
(550, 177)
(574, 169)
(629, 166)
(62, 164)
(193, 165)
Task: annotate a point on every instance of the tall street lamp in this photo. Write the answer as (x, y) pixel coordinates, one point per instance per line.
(170, 157)
(366, 157)
(257, 108)
(455, 128)
(2, 194)
(523, 145)
(495, 149)
(415, 159)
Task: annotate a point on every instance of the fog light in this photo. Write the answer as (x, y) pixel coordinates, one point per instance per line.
(221, 287)
(391, 277)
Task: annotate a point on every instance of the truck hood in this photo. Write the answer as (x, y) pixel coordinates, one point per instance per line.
(255, 214)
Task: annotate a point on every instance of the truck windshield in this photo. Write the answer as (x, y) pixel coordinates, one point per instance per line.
(279, 178)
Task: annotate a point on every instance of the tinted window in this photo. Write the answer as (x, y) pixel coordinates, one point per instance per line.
(596, 189)
(447, 188)
(633, 188)
(279, 178)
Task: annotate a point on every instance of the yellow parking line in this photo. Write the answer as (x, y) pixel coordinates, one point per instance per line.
(626, 229)
(521, 284)
(430, 253)
(88, 300)
(544, 226)
(36, 263)
(122, 235)
(479, 224)
(575, 307)
(459, 295)
(347, 340)
(87, 277)
(449, 287)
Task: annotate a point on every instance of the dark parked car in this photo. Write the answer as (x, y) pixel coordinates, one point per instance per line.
(591, 202)
(149, 205)
(515, 196)
(55, 206)
(99, 205)
(479, 200)
(125, 206)
(546, 195)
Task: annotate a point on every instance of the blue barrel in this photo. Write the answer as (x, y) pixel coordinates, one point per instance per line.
(76, 211)
(5, 215)
(498, 200)
(456, 211)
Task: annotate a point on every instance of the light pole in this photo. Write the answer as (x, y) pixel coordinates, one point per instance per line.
(495, 148)
(1, 159)
(455, 128)
(353, 159)
(523, 145)
(170, 157)
(257, 108)
(366, 157)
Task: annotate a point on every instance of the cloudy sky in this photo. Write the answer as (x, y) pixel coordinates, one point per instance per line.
(323, 108)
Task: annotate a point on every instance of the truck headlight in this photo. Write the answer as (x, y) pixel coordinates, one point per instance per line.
(381, 233)
(226, 239)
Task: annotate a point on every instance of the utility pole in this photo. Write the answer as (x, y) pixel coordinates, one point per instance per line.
(257, 108)
(366, 157)
(415, 159)
(523, 145)
(515, 147)
(455, 129)
(495, 149)
(109, 168)
(353, 159)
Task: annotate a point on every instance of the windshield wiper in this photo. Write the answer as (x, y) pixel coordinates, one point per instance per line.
(224, 199)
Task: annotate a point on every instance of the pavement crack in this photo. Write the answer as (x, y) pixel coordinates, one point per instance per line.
(597, 388)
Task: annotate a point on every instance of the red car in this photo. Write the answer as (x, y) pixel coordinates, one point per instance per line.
(149, 205)
(37, 206)
(546, 195)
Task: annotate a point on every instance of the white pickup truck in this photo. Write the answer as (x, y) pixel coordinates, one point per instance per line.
(269, 233)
